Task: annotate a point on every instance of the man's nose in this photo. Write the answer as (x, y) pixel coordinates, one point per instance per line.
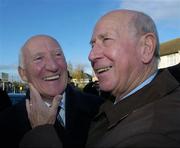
(51, 64)
(95, 53)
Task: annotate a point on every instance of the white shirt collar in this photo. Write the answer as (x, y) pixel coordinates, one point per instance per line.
(61, 104)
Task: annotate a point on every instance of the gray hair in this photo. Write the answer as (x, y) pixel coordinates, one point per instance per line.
(145, 24)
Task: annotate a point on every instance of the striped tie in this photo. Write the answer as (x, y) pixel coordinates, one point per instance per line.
(60, 115)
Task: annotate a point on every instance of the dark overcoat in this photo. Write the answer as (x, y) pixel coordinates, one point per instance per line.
(80, 109)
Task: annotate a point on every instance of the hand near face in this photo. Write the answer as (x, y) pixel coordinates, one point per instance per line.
(38, 112)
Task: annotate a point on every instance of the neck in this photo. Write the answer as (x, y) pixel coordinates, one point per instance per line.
(47, 99)
(136, 81)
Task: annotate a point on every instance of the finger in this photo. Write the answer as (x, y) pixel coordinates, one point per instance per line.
(27, 107)
(34, 94)
(55, 103)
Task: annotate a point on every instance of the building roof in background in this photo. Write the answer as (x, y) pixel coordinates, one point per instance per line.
(170, 47)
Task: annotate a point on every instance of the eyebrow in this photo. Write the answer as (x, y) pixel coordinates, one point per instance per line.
(41, 52)
(58, 49)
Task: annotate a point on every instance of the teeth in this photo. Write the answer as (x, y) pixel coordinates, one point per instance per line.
(51, 78)
(100, 70)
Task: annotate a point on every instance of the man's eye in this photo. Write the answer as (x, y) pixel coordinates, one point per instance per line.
(105, 39)
(92, 43)
(58, 54)
(37, 58)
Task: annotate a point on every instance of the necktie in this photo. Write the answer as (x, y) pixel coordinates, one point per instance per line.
(60, 116)
(59, 125)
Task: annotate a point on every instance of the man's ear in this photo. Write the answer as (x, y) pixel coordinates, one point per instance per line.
(22, 74)
(147, 47)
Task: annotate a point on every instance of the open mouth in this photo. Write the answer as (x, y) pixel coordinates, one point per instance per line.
(50, 78)
(104, 69)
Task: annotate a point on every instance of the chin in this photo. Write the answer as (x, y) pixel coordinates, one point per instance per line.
(105, 88)
(52, 93)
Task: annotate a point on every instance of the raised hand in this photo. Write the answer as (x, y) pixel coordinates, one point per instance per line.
(38, 112)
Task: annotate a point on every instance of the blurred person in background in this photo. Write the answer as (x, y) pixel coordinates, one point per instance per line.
(92, 87)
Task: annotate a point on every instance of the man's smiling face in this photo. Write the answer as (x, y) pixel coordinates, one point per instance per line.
(45, 66)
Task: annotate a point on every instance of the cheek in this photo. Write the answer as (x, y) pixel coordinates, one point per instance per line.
(62, 64)
(34, 72)
(113, 53)
(122, 67)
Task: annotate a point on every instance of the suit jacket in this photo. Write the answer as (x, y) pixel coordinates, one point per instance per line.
(148, 118)
(80, 109)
